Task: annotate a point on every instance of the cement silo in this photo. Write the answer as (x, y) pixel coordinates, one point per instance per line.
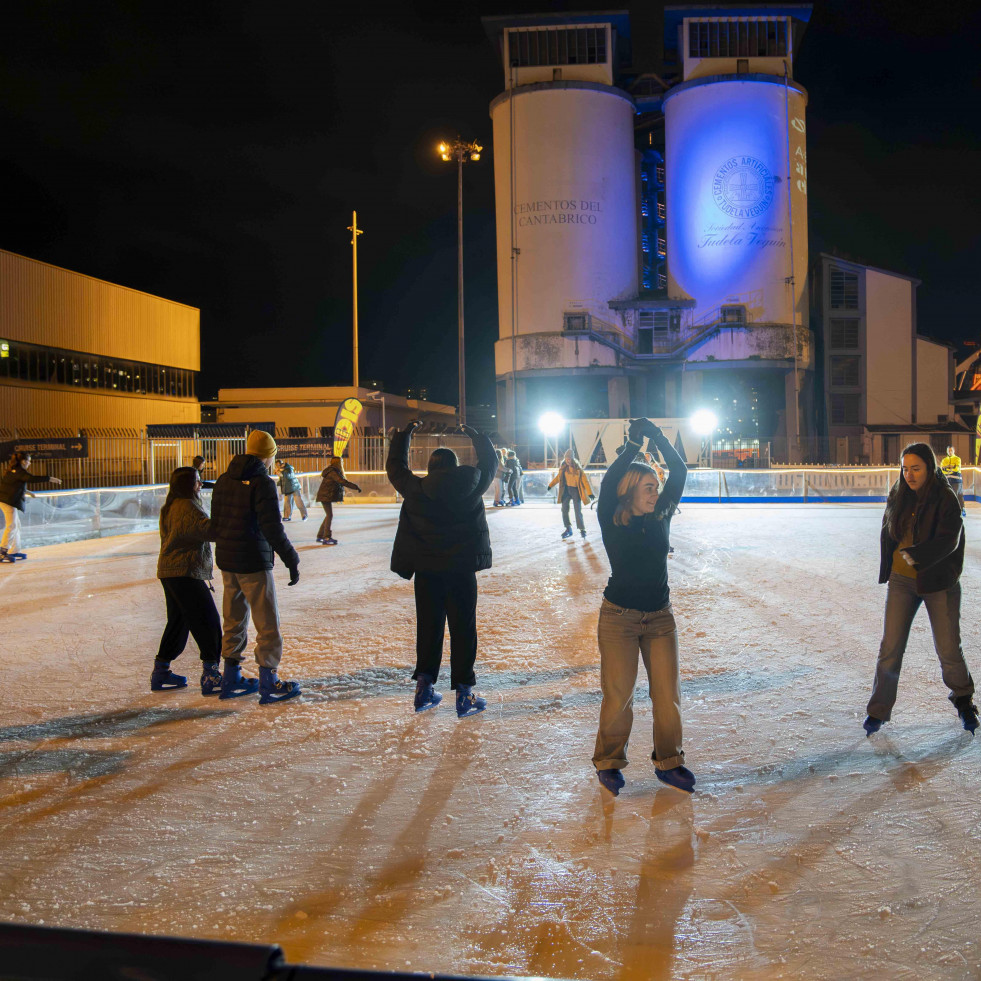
(735, 148)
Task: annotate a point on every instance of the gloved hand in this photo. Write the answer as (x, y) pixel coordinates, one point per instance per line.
(469, 431)
(357, 488)
(294, 575)
(652, 430)
(637, 431)
(412, 426)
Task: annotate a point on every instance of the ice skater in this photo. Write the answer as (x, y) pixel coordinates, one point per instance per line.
(248, 532)
(199, 464)
(185, 568)
(443, 541)
(13, 488)
(331, 492)
(574, 489)
(951, 466)
(500, 474)
(512, 470)
(289, 484)
(922, 555)
(635, 617)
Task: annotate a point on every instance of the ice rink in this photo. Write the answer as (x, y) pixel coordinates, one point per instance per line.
(354, 832)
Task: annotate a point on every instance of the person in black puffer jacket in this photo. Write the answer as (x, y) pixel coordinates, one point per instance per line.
(331, 492)
(248, 533)
(443, 541)
(921, 556)
(13, 488)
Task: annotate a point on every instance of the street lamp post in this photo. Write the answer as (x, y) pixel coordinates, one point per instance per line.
(462, 152)
(355, 232)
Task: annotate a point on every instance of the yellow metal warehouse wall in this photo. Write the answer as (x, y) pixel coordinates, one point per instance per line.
(22, 407)
(43, 304)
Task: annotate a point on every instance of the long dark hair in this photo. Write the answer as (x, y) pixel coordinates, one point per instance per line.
(183, 483)
(902, 498)
(17, 458)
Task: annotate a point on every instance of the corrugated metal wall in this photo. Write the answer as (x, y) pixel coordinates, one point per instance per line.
(22, 407)
(43, 304)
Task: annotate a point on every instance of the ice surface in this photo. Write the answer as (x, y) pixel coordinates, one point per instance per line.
(354, 832)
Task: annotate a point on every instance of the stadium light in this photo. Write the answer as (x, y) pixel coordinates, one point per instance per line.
(704, 422)
(551, 424)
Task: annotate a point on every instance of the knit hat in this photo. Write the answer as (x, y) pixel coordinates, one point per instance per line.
(260, 444)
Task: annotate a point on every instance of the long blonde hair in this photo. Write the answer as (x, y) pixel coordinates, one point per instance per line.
(628, 485)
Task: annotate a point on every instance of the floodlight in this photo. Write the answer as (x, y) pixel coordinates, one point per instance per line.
(551, 424)
(704, 421)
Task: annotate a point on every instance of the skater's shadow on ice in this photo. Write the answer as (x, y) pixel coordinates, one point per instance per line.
(78, 763)
(106, 725)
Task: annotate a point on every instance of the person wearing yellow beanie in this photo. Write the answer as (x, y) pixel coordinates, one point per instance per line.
(260, 444)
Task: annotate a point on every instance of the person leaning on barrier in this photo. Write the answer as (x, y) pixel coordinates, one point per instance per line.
(443, 541)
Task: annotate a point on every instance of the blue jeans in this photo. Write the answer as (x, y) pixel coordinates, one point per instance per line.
(623, 634)
(944, 610)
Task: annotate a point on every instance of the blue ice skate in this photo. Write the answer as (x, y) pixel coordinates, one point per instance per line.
(234, 684)
(467, 703)
(871, 725)
(612, 780)
(210, 678)
(163, 679)
(272, 689)
(679, 777)
(968, 712)
(567, 533)
(426, 696)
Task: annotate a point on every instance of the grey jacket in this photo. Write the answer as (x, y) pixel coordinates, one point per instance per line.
(185, 534)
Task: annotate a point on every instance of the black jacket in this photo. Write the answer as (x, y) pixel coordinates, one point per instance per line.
(245, 519)
(289, 483)
(442, 525)
(938, 541)
(332, 486)
(14, 483)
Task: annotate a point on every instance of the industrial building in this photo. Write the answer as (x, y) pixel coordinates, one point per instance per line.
(78, 353)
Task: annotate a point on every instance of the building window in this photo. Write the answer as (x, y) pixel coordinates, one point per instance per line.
(645, 340)
(844, 333)
(746, 38)
(575, 321)
(733, 314)
(845, 410)
(542, 47)
(843, 290)
(845, 370)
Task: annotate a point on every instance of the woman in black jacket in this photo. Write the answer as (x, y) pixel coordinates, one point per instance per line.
(921, 558)
(634, 510)
(13, 487)
(184, 569)
(331, 490)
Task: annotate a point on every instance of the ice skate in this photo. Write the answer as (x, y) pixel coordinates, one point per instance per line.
(679, 777)
(583, 532)
(968, 712)
(426, 696)
(467, 703)
(163, 679)
(612, 780)
(567, 533)
(272, 689)
(234, 684)
(210, 678)
(871, 725)
(330, 541)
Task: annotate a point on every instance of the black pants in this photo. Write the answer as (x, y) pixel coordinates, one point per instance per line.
(572, 497)
(190, 609)
(324, 532)
(442, 597)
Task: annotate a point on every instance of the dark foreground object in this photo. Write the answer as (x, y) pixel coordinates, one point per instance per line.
(30, 953)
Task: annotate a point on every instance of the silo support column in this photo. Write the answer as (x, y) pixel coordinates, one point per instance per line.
(691, 392)
(618, 390)
(792, 418)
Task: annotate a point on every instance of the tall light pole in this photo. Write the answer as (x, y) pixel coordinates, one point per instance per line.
(355, 232)
(462, 152)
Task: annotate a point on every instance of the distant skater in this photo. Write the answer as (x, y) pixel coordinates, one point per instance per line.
(512, 468)
(331, 492)
(199, 464)
(185, 568)
(500, 475)
(636, 617)
(248, 534)
(13, 488)
(921, 559)
(289, 484)
(574, 490)
(443, 541)
(951, 466)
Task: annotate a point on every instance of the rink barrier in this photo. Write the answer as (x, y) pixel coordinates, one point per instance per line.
(44, 953)
(75, 515)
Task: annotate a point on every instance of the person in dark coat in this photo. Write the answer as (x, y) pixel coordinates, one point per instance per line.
(248, 533)
(921, 548)
(184, 569)
(199, 464)
(443, 541)
(289, 484)
(331, 492)
(13, 488)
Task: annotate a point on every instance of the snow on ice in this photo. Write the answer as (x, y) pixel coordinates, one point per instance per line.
(354, 832)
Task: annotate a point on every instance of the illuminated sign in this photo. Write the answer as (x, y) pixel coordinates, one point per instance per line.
(347, 418)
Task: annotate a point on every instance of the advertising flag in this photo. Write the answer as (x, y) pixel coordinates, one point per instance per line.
(348, 413)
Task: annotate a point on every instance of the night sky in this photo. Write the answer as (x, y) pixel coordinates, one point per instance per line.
(212, 153)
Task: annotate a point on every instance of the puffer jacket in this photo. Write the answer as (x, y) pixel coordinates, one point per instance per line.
(938, 541)
(185, 541)
(248, 529)
(585, 491)
(442, 525)
(332, 486)
(14, 483)
(288, 482)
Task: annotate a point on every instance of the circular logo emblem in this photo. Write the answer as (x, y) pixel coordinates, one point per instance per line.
(743, 187)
